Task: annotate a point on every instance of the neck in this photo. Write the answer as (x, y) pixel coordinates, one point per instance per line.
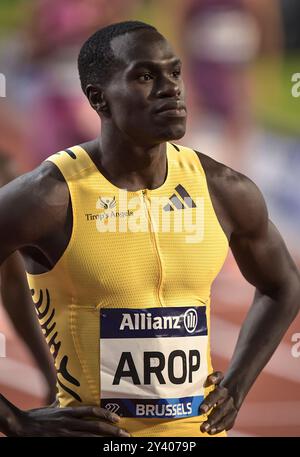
(130, 166)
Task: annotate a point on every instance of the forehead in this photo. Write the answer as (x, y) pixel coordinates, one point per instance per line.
(142, 45)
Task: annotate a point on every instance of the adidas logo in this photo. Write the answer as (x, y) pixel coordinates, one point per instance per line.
(176, 203)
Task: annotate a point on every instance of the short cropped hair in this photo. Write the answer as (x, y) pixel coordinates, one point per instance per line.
(96, 60)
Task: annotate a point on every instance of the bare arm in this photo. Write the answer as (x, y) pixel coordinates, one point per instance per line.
(22, 202)
(17, 301)
(265, 262)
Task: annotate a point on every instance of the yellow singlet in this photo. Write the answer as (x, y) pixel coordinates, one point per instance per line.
(126, 309)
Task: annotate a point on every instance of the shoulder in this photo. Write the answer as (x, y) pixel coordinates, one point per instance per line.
(36, 185)
(33, 203)
(237, 194)
(49, 182)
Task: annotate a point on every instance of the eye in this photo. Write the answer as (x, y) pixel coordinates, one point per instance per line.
(145, 77)
(176, 73)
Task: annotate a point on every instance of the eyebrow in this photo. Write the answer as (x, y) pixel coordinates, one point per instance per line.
(151, 63)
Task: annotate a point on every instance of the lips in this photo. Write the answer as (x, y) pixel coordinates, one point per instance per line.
(175, 106)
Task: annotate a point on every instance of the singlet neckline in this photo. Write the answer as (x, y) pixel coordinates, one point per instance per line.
(170, 164)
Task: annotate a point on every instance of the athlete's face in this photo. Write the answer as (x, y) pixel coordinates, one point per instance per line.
(146, 95)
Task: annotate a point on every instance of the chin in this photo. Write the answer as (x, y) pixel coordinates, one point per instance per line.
(171, 131)
(175, 133)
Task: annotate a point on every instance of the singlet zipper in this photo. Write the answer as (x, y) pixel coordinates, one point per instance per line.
(155, 245)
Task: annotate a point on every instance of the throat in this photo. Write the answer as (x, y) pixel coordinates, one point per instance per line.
(133, 169)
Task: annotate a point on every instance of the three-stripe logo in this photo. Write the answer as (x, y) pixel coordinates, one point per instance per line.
(176, 203)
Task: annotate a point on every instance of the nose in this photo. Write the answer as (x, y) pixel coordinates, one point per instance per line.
(168, 88)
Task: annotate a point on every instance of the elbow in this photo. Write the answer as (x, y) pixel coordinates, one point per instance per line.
(286, 293)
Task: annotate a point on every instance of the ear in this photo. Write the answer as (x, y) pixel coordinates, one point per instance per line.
(97, 99)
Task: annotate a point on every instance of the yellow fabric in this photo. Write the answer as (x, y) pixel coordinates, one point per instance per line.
(123, 270)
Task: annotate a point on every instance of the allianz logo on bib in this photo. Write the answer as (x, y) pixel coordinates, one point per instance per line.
(146, 321)
(153, 322)
(112, 407)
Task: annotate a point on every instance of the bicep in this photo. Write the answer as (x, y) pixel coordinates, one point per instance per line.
(263, 258)
(17, 211)
(9, 233)
(32, 208)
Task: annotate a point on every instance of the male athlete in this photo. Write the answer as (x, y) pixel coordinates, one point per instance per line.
(122, 238)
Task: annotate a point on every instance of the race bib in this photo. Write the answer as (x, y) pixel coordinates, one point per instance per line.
(153, 361)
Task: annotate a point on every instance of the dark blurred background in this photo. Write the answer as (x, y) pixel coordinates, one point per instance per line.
(239, 59)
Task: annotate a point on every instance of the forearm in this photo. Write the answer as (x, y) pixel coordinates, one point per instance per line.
(27, 327)
(18, 303)
(266, 323)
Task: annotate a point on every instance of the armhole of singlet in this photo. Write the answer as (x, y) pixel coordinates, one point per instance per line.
(74, 226)
(209, 195)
